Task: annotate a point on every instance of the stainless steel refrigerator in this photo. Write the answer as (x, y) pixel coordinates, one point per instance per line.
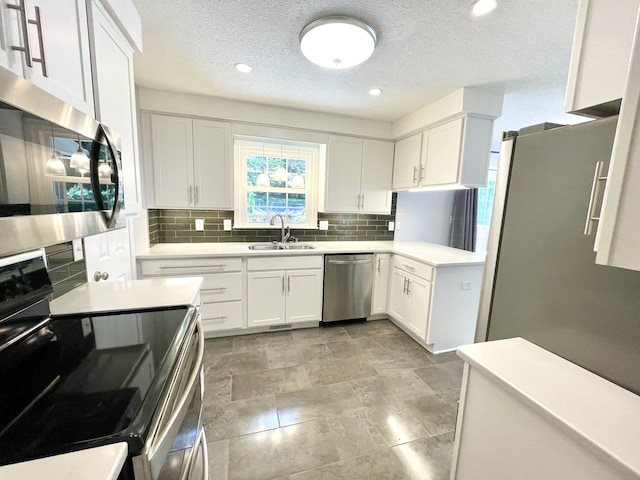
(541, 280)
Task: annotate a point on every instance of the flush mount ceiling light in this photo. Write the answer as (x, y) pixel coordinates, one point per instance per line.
(243, 68)
(483, 7)
(337, 41)
(375, 92)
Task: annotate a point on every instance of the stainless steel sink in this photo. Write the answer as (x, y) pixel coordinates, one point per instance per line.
(266, 246)
(280, 246)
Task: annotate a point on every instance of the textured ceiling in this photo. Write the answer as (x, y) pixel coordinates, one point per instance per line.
(426, 49)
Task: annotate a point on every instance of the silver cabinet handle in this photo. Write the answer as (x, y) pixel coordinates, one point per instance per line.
(22, 9)
(283, 290)
(422, 169)
(415, 173)
(404, 285)
(97, 276)
(595, 193)
(42, 60)
(362, 204)
(379, 264)
(216, 290)
(197, 194)
(216, 319)
(408, 267)
(408, 285)
(171, 267)
(288, 283)
(190, 194)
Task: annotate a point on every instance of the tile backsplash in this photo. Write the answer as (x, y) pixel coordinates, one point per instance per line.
(65, 274)
(178, 226)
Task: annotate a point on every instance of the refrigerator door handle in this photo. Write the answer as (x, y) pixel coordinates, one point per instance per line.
(598, 179)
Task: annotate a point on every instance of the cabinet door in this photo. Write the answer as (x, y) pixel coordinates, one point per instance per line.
(441, 148)
(65, 36)
(377, 169)
(406, 162)
(115, 96)
(212, 164)
(602, 46)
(344, 165)
(304, 296)
(11, 34)
(398, 300)
(619, 226)
(419, 294)
(380, 284)
(172, 153)
(266, 298)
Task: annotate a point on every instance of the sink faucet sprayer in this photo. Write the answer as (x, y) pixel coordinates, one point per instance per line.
(284, 237)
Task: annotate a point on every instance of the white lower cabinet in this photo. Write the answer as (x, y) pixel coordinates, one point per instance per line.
(278, 297)
(409, 300)
(222, 290)
(436, 306)
(380, 284)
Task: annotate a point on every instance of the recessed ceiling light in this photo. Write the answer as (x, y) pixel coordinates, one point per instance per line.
(243, 67)
(482, 7)
(375, 91)
(337, 41)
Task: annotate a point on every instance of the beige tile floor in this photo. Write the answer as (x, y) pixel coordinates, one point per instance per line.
(353, 401)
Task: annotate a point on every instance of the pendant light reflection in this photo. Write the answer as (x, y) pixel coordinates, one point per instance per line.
(54, 165)
(104, 170)
(298, 180)
(281, 173)
(263, 178)
(79, 159)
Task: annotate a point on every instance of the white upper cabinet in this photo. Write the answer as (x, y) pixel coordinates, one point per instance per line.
(115, 96)
(358, 177)
(191, 162)
(453, 154)
(54, 37)
(601, 50)
(407, 162)
(618, 234)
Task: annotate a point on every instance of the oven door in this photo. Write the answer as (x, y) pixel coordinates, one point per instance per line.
(174, 444)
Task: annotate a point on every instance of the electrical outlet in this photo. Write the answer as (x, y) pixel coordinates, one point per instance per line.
(199, 224)
(323, 225)
(466, 285)
(227, 224)
(78, 252)
(392, 226)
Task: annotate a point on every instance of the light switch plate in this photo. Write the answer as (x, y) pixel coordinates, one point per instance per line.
(227, 224)
(392, 226)
(323, 225)
(78, 252)
(199, 224)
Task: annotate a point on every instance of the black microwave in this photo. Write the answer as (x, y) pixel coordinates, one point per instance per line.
(60, 170)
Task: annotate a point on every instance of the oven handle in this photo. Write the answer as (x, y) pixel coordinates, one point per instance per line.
(202, 444)
(178, 411)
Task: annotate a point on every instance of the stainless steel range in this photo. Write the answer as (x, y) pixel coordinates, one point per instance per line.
(80, 381)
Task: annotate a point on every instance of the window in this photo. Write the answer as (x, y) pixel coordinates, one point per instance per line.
(485, 207)
(275, 177)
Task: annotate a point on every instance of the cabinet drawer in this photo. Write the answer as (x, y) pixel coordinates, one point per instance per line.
(284, 262)
(190, 266)
(412, 266)
(221, 316)
(221, 287)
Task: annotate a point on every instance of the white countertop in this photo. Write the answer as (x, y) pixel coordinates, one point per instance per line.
(100, 463)
(130, 295)
(602, 413)
(431, 253)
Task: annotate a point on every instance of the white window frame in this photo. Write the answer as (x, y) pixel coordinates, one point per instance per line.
(245, 146)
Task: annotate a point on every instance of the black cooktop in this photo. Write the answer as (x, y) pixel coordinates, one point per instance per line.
(80, 381)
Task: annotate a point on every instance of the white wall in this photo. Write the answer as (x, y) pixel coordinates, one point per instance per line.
(424, 216)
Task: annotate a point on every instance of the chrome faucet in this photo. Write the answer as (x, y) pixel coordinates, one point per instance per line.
(284, 236)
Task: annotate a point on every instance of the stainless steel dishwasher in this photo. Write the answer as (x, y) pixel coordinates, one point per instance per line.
(348, 281)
